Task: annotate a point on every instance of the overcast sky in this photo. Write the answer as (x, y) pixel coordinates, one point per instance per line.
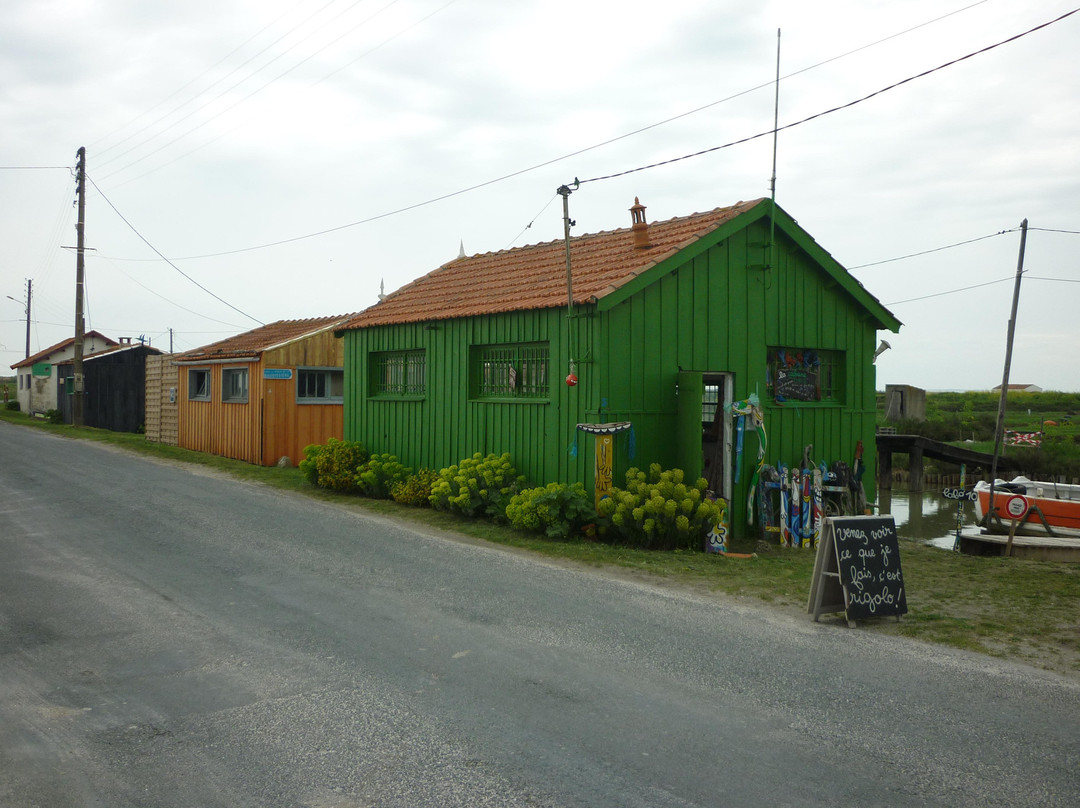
(410, 127)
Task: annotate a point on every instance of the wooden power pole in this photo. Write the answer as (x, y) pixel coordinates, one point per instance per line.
(80, 326)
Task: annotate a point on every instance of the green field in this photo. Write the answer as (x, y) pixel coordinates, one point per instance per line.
(969, 419)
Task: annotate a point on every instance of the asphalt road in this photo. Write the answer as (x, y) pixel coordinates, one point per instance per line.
(170, 637)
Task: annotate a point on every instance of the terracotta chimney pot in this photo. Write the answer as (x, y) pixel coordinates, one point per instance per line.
(640, 227)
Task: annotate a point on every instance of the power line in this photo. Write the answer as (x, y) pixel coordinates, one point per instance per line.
(546, 163)
(949, 292)
(1053, 230)
(197, 78)
(834, 109)
(257, 90)
(214, 84)
(168, 300)
(934, 250)
(166, 260)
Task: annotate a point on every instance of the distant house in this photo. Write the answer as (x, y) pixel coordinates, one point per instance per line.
(1019, 388)
(39, 382)
(114, 387)
(660, 328)
(263, 395)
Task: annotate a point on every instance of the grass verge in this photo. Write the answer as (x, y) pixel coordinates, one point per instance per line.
(1028, 611)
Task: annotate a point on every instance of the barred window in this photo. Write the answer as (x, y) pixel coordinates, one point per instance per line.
(398, 373)
(510, 371)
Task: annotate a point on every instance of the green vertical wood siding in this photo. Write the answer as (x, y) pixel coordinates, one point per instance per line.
(715, 310)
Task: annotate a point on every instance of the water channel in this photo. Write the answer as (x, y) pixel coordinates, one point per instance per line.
(926, 516)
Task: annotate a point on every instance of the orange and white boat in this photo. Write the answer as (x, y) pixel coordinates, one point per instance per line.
(1035, 505)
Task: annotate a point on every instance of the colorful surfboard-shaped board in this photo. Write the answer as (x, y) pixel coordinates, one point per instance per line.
(819, 507)
(785, 528)
(794, 508)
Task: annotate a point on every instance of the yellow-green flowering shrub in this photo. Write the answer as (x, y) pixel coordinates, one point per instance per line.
(334, 464)
(477, 486)
(557, 510)
(414, 489)
(659, 510)
(376, 477)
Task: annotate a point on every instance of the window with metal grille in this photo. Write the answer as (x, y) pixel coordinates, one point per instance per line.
(234, 385)
(398, 373)
(510, 371)
(320, 385)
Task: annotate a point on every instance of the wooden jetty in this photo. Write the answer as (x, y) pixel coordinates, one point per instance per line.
(916, 447)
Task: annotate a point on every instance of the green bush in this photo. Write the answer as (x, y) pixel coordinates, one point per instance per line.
(415, 489)
(54, 416)
(477, 486)
(309, 466)
(659, 511)
(12, 404)
(337, 463)
(557, 510)
(381, 472)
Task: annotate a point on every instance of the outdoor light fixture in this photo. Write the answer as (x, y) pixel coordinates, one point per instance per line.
(882, 348)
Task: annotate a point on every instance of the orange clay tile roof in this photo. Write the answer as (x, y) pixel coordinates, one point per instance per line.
(253, 343)
(534, 277)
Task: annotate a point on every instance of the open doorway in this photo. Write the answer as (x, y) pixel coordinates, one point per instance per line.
(716, 432)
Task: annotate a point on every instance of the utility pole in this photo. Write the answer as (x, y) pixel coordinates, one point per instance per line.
(999, 429)
(29, 288)
(80, 326)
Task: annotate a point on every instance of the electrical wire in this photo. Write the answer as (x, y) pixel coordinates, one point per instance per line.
(552, 161)
(264, 86)
(166, 299)
(1053, 230)
(166, 260)
(833, 109)
(197, 78)
(532, 221)
(949, 292)
(934, 250)
(223, 78)
(257, 90)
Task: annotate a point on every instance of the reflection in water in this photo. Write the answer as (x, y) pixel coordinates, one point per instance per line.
(927, 516)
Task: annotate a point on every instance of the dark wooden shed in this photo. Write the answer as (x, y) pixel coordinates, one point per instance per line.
(115, 388)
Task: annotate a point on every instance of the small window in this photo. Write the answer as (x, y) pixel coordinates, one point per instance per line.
(198, 384)
(806, 375)
(398, 373)
(320, 385)
(510, 371)
(234, 385)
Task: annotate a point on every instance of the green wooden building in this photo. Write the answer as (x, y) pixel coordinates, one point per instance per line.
(655, 326)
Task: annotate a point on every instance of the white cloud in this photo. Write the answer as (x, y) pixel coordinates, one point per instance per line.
(350, 114)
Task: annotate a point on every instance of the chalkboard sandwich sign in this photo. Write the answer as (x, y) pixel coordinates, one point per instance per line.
(857, 569)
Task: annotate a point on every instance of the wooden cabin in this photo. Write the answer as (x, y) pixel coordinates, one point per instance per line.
(662, 327)
(264, 395)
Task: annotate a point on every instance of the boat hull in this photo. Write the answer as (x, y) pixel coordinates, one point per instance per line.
(1059, 505)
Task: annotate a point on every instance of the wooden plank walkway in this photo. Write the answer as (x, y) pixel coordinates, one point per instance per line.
(917, 447)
